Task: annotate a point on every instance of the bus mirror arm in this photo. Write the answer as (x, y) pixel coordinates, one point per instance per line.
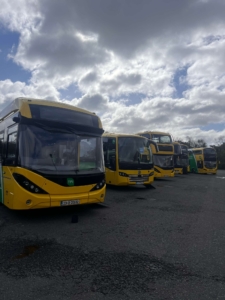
(16, 119)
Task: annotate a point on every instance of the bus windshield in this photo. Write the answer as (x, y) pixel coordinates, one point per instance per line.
(163, 161)
(134, 150)
(161, 138)
(184, 149)
(210, 155)
(52, 151)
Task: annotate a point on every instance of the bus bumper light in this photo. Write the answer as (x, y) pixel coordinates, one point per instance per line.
(28, 202)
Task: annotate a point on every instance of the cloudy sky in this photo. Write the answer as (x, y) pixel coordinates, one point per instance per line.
(140, 64)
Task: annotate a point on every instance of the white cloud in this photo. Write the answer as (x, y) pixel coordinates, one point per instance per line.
(112, 50)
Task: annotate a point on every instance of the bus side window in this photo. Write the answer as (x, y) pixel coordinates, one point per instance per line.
(109, 148)
(11, 148)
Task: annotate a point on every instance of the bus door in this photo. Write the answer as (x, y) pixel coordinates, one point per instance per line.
(1, 179)
(110, 157)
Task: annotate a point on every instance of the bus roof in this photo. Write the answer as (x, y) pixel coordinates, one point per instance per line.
(155, 132)
(109, 134)
(17, 103)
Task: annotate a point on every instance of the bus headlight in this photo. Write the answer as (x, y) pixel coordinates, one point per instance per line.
(99, 185)
(123, 174)
(150, 174)
(27, 184)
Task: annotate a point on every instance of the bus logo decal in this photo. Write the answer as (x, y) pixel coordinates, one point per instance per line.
(70, 181)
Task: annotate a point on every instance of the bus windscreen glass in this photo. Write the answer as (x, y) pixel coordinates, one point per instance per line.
(161, 138)
(59, 152)
(134, 152)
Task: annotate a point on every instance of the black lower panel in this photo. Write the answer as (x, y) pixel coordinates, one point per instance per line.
(78, 179)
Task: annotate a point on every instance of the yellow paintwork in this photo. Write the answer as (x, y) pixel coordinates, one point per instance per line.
(113, 177)
(207, 171)
(178, 171)
(161, 173)
(15, 196)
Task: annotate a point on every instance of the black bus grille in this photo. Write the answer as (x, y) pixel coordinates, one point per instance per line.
(165, 148)
(79, 180)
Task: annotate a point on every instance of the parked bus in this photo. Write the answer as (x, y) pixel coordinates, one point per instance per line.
(51, 155)
(128, 159)
(181, 160)
(163, 159)
(206, 159)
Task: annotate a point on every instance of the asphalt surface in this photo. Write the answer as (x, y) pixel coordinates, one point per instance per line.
(167, 242)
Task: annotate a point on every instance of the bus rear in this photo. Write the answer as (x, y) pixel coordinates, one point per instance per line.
(51, 156)
(128, 160)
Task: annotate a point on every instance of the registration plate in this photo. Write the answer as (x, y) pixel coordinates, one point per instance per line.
(140, 182)
(70, 202)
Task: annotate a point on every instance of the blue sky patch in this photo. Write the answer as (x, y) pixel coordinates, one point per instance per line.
(71, 92)
(133, 98)
(214, 126)
(8, 69)
(179, 82)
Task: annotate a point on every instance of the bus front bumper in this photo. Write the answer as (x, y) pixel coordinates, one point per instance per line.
(161, 173)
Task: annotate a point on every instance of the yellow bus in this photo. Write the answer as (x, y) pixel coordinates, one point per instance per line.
(163, 159)
(206, 159)
(181, 158)
(128, 159)
(51, 155)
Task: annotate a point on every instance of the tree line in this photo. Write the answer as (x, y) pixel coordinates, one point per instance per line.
(219, 147)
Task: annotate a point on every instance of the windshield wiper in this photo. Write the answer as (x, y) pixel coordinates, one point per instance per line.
(53, 163)
(76, 170)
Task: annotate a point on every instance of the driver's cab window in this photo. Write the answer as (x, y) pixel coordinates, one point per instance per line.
(109, 148)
